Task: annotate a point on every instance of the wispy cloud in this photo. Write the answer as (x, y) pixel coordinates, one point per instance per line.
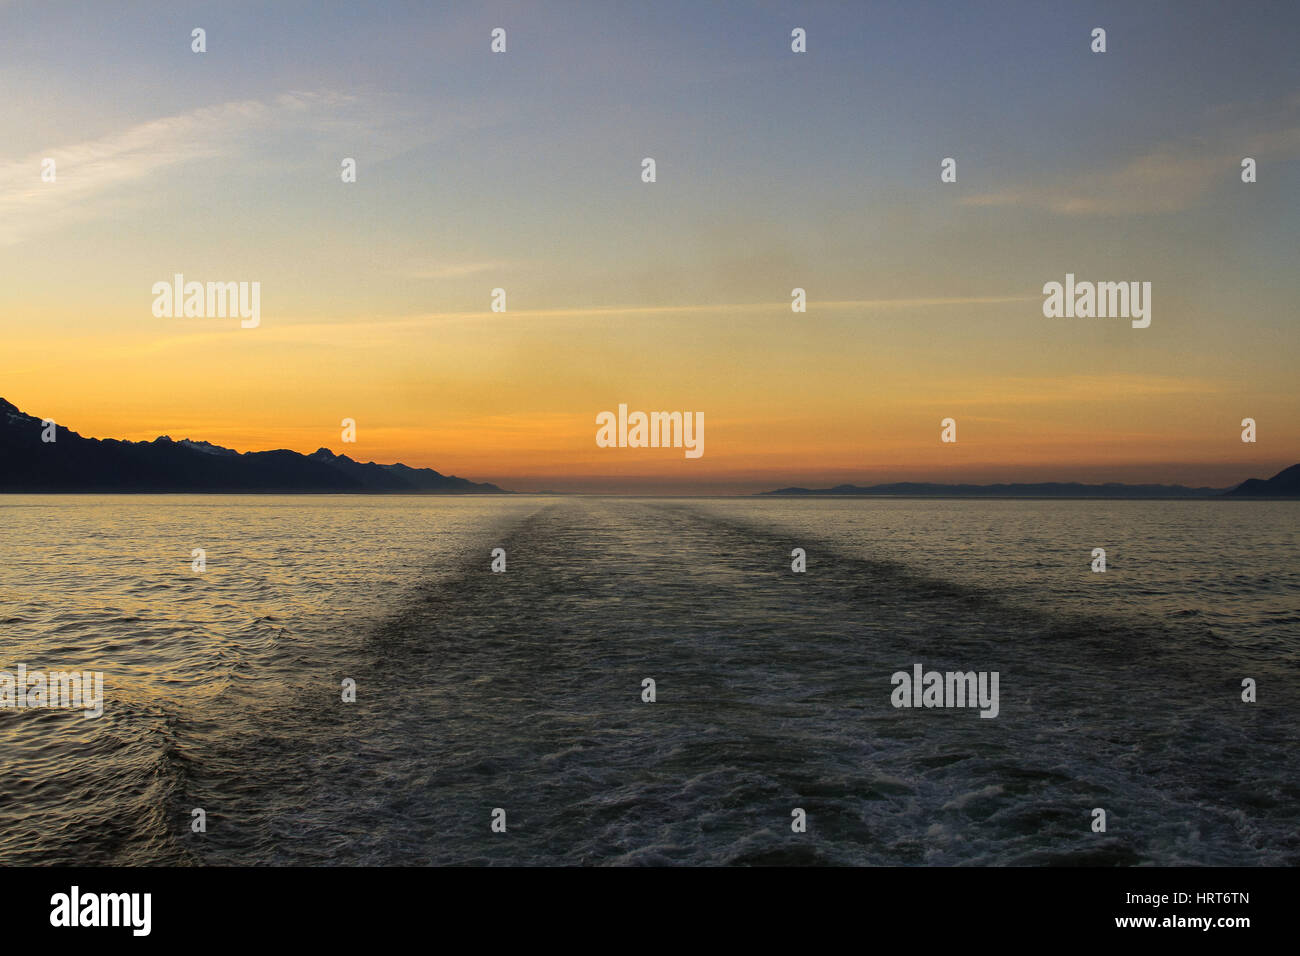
(93, 176)
(455, 270)
(381, 332)
(1169, 177)
(1072, 390)
(597, 313)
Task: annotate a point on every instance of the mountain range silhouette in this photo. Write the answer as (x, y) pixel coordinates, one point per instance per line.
(72, 463)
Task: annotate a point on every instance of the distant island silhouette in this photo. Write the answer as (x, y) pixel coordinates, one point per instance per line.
(73, 464)
(1285, 484)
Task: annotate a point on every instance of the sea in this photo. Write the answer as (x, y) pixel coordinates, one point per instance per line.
(347, 681)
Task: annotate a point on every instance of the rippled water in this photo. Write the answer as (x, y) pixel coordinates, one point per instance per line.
(523, 690)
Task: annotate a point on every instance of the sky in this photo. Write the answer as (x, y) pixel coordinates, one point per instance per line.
(775, 170)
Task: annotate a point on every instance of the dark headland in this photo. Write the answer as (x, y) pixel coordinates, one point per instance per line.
(71, 463)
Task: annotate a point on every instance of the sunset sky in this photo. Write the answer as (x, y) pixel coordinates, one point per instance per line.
(775, 170)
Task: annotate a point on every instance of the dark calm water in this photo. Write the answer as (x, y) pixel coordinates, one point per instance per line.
(522, 690)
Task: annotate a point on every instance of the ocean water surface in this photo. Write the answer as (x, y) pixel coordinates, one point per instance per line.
(522, 690)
